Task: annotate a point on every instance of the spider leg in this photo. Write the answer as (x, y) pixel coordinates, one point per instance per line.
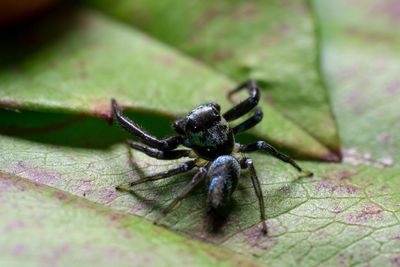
(250, 122)
(244, 107)
(184, 167)
(159, 154)
(261, 145)
(168, 143)
(196, 179)
(248, 163)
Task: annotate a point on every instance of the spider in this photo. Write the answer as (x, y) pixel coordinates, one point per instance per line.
(212, 148)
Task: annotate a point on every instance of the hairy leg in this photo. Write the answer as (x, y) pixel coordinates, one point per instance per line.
(159, 154)
(168, 143)
(196, 179)
(249, 123)
(261, 145)
(245, 106)
(184, 167)
(246, 162)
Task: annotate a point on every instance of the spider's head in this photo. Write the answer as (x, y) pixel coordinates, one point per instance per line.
(203, 117)
(208, 132)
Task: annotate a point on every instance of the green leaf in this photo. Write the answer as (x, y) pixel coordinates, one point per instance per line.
(344, 213)
(347, 214)
(361, 66)
(272, 42)
(80, 60)
(44, 226)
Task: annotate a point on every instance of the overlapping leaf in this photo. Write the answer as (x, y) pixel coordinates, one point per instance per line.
(77, 65)
(271, 41)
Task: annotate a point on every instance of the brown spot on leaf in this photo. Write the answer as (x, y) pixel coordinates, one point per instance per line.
(256, 239)
(395, 261)
(16, 225)
(81, 63)
(392, 88)
(276, 37)
(284, 188)
(223, 54)
(365, 215)
(117, 216)
(369, 36)
(41, 176)
(108, 195)
(268, 100)
(357, 100)
(83, 75)
(270, 40)
(102, 109)
(60, 196)
(166, 60)
(345, 175)
(320, 233)
(372, 210)
(19, 250)
(336, 188)
(121, 91)
(385, 138)
(245, 11)
(21, 166)
(206, 17)
(216, 255)
(337, 209)
(82, 204)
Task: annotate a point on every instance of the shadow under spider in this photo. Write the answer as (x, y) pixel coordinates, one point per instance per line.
(213, 223)
(161, 189)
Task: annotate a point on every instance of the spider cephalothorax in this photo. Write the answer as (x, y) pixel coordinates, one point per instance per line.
(211, 140)
(208, 133)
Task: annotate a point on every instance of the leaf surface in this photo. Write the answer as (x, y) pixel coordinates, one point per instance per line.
(63, 228)
(360, 56)
(77, 65)
(270, 41)
(345, 213)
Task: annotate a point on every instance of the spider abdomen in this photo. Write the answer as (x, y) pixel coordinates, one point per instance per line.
(222, 179)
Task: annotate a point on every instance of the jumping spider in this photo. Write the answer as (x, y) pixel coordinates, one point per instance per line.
(211, 140)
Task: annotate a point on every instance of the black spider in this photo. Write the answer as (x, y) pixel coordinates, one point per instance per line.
(213, 148)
